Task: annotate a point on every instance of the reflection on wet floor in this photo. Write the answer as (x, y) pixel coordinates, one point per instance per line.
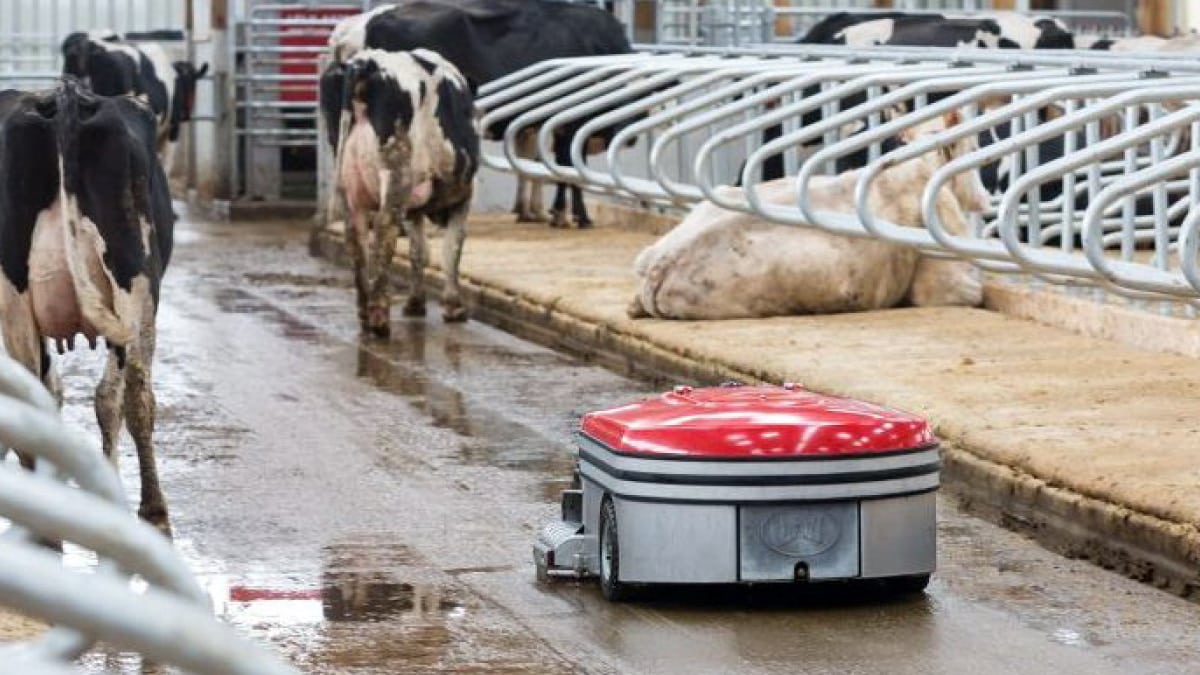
(444, 373)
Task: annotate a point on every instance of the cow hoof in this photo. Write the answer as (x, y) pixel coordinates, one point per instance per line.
(414, 307)
(532, 217)
(454, 313)
(156, 516)
(583, 224)
(559, 222)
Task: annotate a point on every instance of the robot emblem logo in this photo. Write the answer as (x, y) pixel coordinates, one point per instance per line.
(799, 534)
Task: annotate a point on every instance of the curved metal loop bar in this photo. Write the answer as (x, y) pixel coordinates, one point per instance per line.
(650, 189)
(819, 73)
(1094, 85)
(1131, 275)
(620, 98)
(1056, 261)
(852, 83)
(850, 224)
(1189, 248)
(155, 623)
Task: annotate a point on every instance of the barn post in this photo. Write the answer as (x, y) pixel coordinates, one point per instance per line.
(1156, 17)
(210, 124)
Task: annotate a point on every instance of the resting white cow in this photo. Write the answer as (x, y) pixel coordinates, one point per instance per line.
(720, 264)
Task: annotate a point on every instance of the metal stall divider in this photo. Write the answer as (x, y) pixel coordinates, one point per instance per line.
(1072, 136)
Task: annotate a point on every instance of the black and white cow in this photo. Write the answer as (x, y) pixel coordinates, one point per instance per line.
(487, 39)
(114, 67)
(85, 234)
(995, 30)
(407, 149)
(1004, 30)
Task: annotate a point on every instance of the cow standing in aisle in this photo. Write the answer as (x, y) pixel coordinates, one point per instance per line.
(488, 39)
(407, 149)
(720, 264)
(86, 231)
(111, 66)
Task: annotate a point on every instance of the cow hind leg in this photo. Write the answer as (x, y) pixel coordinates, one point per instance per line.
(110, 406)
(357, 237)
(415, 305)
(379, 306)
(139, 417)
(452, 246)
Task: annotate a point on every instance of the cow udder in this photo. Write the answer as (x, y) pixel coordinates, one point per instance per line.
(56, 306)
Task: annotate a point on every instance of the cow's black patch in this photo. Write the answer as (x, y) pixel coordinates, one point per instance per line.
(428, 65)
(1006, 43)
(1103, 44)
(389, 106)
(455, 115)
(828, 30)
(28, 176)
(109, 163)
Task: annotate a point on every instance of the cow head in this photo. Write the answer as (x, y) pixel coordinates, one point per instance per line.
(1054, 35)
(184, 100)
(78, 51)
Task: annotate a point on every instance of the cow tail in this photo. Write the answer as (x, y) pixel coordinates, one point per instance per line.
(337, 204)
(96, 310)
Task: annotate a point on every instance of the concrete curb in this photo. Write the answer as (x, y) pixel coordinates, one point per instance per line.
(1139, 545)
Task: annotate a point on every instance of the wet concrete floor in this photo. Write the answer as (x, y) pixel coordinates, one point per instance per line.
(368, 507)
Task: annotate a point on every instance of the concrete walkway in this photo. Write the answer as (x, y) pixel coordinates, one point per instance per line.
(1091, 446)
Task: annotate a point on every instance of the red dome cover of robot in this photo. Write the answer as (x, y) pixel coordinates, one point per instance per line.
(745, 422)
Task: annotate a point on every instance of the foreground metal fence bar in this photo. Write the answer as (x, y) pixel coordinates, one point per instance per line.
(1092, 160)
(170, 622)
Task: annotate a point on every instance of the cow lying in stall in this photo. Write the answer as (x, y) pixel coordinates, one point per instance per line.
(486, 40)
(719, 264)
(86, 232)
(407, 149)
(111, 66)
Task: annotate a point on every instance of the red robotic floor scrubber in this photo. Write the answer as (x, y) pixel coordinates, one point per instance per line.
(747, 484)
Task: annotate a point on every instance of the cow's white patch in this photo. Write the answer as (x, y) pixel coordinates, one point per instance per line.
(876, 32)
(349, 37)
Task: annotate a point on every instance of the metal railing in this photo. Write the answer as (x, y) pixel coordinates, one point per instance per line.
(1099, 153)
(170, 621)
(741, 22)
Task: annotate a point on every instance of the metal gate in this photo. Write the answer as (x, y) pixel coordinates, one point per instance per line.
(1101, 153)
(275, 50)
(32, 30)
